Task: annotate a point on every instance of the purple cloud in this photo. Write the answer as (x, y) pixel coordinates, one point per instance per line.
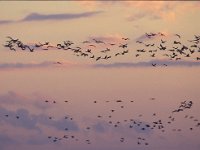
(31, 121)
(45, 64)
(13, 98)
(26, 118)
(158, 63)
(44, 17)
(25, 65)
(64, 16)
(101, 126)
(5, 140)
(6, 21)
(24, 121)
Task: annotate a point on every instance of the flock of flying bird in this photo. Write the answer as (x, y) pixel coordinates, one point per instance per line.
(135, 123)
(175, 52)
(103, 50)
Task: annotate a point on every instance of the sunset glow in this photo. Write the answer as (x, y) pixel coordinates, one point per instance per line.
(99, 75)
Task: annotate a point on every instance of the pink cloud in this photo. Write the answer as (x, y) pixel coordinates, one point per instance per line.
(108, 38)
(165, 10)
(157, 37)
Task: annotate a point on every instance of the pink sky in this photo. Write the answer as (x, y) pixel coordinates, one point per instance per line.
(28, 79)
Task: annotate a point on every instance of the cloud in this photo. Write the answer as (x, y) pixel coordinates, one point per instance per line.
(144, 37)
(34, 124)
(59, 124)
(150, 9)
(11, 98)
(8, 66)
(148, 64)
(5, 21)
(64, 16)
(25, 120)
(108, 38)
(142, 125)
(161, 9)
(16, 99)
(136, 16)
(104, 127)
(101, 126)
(141, 15)
(23, 65)
(30, 121)
(45, 64)
(44, 17)
(5, 140)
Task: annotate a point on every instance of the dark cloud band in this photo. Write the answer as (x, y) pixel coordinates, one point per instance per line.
(44, 17)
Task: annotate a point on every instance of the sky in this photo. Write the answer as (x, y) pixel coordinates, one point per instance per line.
(58, 98)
